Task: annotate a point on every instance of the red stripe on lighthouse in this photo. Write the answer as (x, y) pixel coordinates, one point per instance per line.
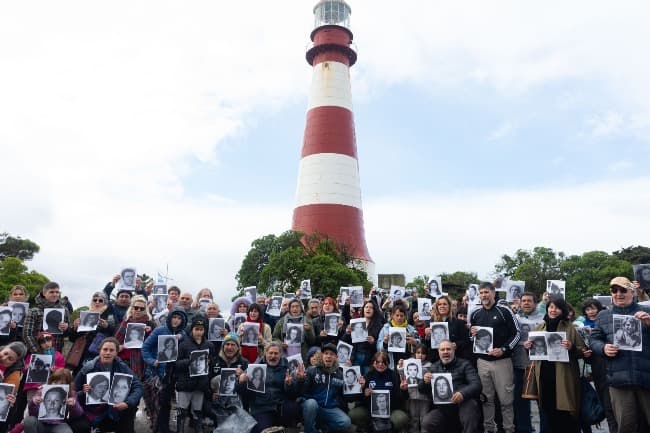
(329, 130)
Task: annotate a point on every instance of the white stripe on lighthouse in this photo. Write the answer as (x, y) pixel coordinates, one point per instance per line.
(328, 178)
(330, 86)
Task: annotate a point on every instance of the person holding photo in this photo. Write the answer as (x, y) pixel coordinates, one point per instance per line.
(255, 315)
(397, 320)
(419, 402)
(456, 327)
(295, 314)
(47, 298)
(220, 407)
(137, 313)
(321, 324)
(12, 356)
(363, 352)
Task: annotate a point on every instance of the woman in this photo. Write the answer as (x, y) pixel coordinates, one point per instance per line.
(441, 390)
(256, 382)
(120, 388)
(202, 299)
(397, 320)
(362, 352)
(458, 332)
(321, 325)
(239, 306)
(381, 377)
(169, 352)
(137, 313)
(105, 328)
(11, 372)
(254, 315)
(558, 382)
(120, 416)
(295, 315)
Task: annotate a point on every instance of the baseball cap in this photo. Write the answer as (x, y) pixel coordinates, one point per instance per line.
(621, 282)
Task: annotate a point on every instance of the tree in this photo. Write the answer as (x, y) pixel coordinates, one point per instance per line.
(634, 255)
(418, 284)
(457, 283)
(23, 249)
(13, 271)
(534, 267)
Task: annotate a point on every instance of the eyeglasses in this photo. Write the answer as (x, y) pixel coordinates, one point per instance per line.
(98, 300)
(44, 339)
(138, 308)
(619, 289)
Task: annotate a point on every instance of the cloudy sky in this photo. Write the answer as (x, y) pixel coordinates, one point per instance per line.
(159, 133)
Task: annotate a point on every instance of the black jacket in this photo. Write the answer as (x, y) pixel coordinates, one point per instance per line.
(464, 378)
(504, 325)
(185, 382)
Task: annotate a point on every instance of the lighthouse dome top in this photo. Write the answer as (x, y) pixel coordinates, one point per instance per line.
(332, 12)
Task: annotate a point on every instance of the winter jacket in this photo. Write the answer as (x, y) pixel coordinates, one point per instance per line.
(387, 380)
(504, 325)
(394, 357)
(458, 334)
(464, 378)
(627, 368)
(185, 382)
(323, 385)
(150, 346)
(275, 392)
(34, 324)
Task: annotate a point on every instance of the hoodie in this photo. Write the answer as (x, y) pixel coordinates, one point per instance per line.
(150, 346)
(325, 385)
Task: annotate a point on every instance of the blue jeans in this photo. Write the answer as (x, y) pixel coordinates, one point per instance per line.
(523, 423)
(329, 419)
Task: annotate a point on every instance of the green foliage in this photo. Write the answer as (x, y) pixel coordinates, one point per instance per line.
(634, 255)
(418, 284)
(457, 283)
(13, 271)
(534, 267)
(23, 249)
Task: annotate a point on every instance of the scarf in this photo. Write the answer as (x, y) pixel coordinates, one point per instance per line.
(398, 325)
(551, 324)
(250, 352)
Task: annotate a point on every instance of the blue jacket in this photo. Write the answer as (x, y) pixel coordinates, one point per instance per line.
(394, 357)
(627, 367)
(150, 345)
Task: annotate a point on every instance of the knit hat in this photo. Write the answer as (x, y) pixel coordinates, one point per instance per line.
(233, 337)
(312, 350)
(199, 320)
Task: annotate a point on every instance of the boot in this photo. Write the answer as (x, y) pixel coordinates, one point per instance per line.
(197, 417)
(181, 414)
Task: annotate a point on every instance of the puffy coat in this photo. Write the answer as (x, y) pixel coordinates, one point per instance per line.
(464, 377)
(150, 345)
(323, 385)
(185, 382)
(275, 391)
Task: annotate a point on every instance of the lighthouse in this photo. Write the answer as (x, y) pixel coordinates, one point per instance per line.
(328, 195)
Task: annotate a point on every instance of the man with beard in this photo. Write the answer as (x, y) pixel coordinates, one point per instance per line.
(47, 298)
(219, 408)
(464, 407)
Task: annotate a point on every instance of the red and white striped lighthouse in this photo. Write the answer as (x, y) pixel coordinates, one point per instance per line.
(328, 196)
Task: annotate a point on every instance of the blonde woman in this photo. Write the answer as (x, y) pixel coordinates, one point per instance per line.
(137, 313)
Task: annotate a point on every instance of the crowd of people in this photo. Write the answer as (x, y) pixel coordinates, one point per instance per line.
(320, 364)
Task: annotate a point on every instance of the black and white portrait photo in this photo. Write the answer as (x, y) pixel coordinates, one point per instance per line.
(134, 335)
(215, 325)
(439, 332)
(100, 385)
(396, 339)
(199, 362)
(525, 326)
(53, 404)
(250, 292)
(483, 339)
(412, 371)
(556, 352)
(293, 337)
(359, 330)
(18, 312)
(332, 323)
(442, 388)
(514, 290)
(396, 292)
(305, 289)
(5, 390)
(250, 334)
(555, 287)
(538, 350)
(605, 300)
(274, 307)
(424, 308)
(356, 296)
(256, 377)
(228, 382)
(52, 318)
(343, 352)
(472, 295)
(380, 404)
(627, 332)
(161, 318)
(88, 321)
(167, 348)
(5, 320)
(344, 294)
(294, 362)
(39, 368)
(203, 304)
(120, 388)
(238, 320)
(159, 289)
(435, 287)
(351, 377)
(642, 275)
(159, 302)
(127, 279)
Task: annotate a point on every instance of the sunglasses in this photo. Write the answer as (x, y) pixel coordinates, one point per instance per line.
(138, 308)
(618, 289)
(98, 300)
(44, 339)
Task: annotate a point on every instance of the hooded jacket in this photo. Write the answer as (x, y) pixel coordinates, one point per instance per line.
(233, 310)
(150, 345)
(274, 392)
(325, 385)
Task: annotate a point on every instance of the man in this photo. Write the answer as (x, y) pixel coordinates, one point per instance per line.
(467, 389)
(173, 293)
(528, 316)
(121, 303)
(185, 304)
(322, 386)
(352, 385)
(628, 371)
(495, 366)
(47, 298)
(313, 309)
(412, 374)
(229, 357)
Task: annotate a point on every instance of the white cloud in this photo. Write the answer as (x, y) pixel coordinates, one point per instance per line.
(504, 130)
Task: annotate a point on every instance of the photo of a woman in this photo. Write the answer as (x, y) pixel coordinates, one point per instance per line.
(120, 388)
(168, 345)
(442, 388)
(256, 377)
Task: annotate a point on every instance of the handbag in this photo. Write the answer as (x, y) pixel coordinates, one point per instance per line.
(529, 390)
(76, 352)
(591, 409)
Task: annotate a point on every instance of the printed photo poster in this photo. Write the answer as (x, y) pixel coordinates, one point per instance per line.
(250, 334)
(396, 292)
(39, 368)
(159, 289)
(52, 317)
(256, 377)
(412, 371)
(359, 332)
(442, 387)
(556, 352)
(344, 294)
(642, 275)
(5, 390)
(159, 302)
(538, 351)
(53, 406)
(134, 335)
(203, 304)
(332, 323)
(514, 290)
(127, 279)
(351, 383)
(100, 385)
(294, 361)
(627, 332)
(120, 388)
(483, 339)
(605, 300)
(167, 348)
(556, 288)
(356, 296)
(215, 325)
(525, 326)
(424, 308)
(18, 312)
(5, 320)
(435, 287)
(501, 284)
(199, 362)
(380, 403)
(250, 293)
(293, 337)
(161, 318)
(238, 319)
(439, 332)
(289, 296)
(305, 289)
(274, 307)
(397, 339)
(88, 321)
(343, 352)
(472, 295)
(228, 382)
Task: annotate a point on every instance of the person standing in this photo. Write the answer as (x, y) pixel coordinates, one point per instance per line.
(47, 298)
